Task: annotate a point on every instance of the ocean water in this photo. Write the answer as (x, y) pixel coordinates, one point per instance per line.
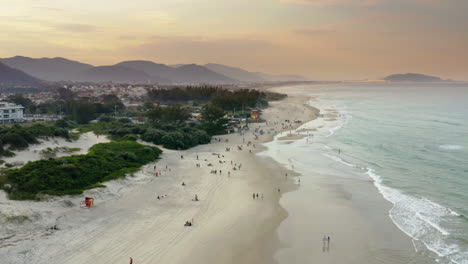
(410, 140)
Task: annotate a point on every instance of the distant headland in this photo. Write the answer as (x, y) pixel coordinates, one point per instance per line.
(413, 77)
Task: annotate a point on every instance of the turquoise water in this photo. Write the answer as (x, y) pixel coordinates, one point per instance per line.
(413, 140)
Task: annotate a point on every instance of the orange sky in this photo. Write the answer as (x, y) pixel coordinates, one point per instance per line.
(321, 39)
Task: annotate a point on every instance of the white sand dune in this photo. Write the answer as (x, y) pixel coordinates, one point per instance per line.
(33, 152)
(129, 221)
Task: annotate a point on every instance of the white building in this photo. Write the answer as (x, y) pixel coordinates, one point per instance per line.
(10, 113)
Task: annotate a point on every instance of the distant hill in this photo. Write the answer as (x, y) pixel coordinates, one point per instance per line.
(184, 73)
(60, 69)
(235, 73)
(412, 77)
(192, 73)
(158, 72)
(118, 74)
(50, 69)
(14, 77)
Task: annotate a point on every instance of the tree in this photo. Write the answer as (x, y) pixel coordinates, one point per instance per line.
(65, 94)
(19, 99)
(214, 121)
(173, 140)
(113, 101)
(212, 113)
(173, 113)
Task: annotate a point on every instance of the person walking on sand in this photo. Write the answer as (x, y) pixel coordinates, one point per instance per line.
(253, 195)
(131, 260)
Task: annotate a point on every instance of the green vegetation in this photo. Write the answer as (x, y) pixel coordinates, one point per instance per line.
(171, 135)
(19, 219)
(18, 137)
(220, 97)
(184, 94)
(272, 96)
(74, 174)
(172, 113)
(168, 125)
(52, 152)
(214, 121)
(80, 110)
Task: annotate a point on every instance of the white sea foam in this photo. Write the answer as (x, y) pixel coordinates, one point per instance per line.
(338, 159)
(453, 212)
(419, 218)
(450, 147)
(334, 129)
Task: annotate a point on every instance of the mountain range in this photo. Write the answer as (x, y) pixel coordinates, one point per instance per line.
(14, 77)
(138, 71)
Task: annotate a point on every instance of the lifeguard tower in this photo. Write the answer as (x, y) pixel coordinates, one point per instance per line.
(255, 115)
(88, 202)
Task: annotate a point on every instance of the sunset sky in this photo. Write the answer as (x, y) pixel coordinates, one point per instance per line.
(320, 39)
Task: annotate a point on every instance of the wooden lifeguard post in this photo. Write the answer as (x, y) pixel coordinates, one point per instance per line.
(88, 202)
(255, 115)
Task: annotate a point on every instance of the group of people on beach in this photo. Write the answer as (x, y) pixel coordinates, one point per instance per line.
(236, 166)
(255, 196)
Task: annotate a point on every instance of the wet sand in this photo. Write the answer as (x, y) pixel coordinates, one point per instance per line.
(129, 221)
(229, 226)
(334, 200)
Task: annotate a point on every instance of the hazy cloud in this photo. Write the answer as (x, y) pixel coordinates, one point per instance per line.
(313, 32)
(333, 2)
(128, 37)
(199, 49)
(52, 9)
(358, 2)
(71, 27)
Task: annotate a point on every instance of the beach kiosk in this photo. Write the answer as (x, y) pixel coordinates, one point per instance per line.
(88, 202)
(255, 115)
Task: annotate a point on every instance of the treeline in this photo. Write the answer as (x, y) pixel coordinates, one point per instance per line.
(79, 110)
(74, 174)
(184, 94)
(224, 98)
(166, 126)
(18, 137)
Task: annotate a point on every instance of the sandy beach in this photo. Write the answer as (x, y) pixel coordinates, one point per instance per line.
(143, 216)
(128, 219)
(333, 201)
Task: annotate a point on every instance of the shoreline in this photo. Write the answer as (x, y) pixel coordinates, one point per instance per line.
(346, 206)
(128, 221)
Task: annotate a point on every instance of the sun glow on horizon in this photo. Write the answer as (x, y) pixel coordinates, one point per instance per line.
(321, 39)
